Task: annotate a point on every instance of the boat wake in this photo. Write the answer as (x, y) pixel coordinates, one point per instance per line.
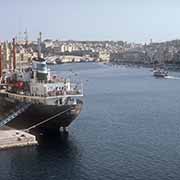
(172, 77)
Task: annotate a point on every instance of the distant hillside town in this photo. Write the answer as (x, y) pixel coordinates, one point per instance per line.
(57, 52)
(113, 51)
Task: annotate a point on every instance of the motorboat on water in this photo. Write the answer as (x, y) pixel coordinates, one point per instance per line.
(160, 72)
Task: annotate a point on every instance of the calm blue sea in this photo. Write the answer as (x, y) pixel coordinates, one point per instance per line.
(129, 129)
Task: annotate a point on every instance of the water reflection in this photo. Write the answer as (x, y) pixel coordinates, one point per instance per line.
(55, 158)
(128, 129)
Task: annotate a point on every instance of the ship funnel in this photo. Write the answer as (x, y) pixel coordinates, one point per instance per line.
(14, 54)
(0, 60)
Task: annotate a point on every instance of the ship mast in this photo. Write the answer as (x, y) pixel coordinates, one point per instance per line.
(39, 45)
(14, 54)
(26, 37)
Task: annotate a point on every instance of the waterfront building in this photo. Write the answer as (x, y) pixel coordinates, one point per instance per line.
(104, 56)
(69, 59)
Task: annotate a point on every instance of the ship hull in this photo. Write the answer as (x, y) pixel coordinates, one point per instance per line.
(160, 75)
(39, 118)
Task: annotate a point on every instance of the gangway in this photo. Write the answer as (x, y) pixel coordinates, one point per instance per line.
(19, 109)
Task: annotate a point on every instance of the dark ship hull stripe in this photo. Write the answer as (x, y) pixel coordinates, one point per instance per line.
(37, 113)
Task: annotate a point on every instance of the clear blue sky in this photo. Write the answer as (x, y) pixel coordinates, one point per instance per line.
(129, 20)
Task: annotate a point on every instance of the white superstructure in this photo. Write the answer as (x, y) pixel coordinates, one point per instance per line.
(36, 85)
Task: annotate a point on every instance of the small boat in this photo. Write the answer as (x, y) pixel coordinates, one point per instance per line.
(160, 72)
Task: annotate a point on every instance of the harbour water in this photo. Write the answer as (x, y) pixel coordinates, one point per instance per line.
(129, 129)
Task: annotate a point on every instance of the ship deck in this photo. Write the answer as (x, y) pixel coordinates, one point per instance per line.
(42, 99)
